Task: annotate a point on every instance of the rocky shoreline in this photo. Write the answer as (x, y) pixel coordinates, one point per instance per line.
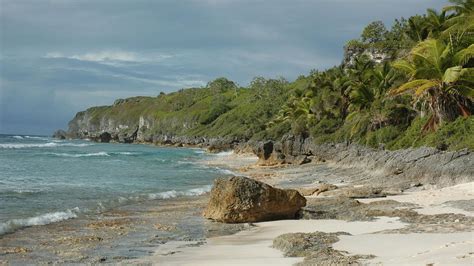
(343, 204)
(401, 168)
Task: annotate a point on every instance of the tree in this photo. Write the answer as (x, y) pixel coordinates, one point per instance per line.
(417, 29)
(221, 85)
(440, 77)
(459, 27)
(435, 22)
(374, 32)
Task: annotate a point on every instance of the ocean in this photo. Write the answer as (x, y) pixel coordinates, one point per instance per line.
(44, 180)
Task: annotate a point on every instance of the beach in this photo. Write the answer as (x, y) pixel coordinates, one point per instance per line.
(423, 225)
(430, 239)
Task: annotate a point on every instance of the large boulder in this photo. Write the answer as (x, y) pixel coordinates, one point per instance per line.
(241, 199)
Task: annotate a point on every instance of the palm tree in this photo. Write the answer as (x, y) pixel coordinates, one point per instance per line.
(460, 26)
(435, 22)
(417, 29)
(383, 78)
(440, 77)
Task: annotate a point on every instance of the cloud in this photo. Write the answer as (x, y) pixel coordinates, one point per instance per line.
(88, 52)
(113, 57)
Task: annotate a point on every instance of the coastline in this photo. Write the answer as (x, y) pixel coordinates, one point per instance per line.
(127, 230)
(252, 243)
(423, 240)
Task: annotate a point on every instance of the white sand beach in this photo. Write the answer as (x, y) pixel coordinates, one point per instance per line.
(379, 237)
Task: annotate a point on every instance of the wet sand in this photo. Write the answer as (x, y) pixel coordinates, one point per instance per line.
(127, 232)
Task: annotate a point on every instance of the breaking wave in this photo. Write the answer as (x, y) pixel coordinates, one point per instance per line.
(224, 153)
(174, 194)
(40, 145)
(34, 137)
(47, 218)
(94, 154)
(102, 153)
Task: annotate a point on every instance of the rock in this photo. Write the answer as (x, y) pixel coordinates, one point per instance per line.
(316, 248)
(264, 149)
(105, 137)
(364, 192)
(242, 200)
(302, 244)
(398, 171)
(303, 159)
(315, 191)
(59, 134)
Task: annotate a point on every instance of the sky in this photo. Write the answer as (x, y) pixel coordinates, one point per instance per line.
(58, 57)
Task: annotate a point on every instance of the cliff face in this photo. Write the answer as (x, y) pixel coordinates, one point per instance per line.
(374, 54)
(189, 116)
(86, 125)
(401, 167)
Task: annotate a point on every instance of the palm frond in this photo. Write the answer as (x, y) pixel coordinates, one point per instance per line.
(411, 85)
(463, 56)
(452, 74)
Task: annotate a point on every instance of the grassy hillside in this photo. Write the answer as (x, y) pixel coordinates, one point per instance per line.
(407, 86)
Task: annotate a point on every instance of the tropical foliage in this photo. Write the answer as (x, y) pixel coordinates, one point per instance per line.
(407, 85)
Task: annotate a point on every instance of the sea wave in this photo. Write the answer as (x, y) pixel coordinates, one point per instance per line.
(21, 191)
(174, 194)
(102, 153)
(125, 153)
(47, 218)
(17, 137)
(225, 171)
(40, 145)
(35, 137)
(93, 154)
(224, 153)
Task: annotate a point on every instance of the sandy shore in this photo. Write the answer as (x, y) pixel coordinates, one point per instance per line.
(390, 240)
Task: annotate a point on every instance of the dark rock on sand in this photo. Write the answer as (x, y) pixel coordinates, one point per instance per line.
(364, 192)
(315, 191)
(240, 200)
(316, 248)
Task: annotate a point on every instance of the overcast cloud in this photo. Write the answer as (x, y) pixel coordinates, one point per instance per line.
(58, 57)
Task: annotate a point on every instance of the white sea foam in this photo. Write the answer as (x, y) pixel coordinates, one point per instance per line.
(225, 153)
(93, 154)
(225, 171)
(102, 153)
(174, 194)
(40, 145)
(199, 151)
(23, 191)
(126, 153)
(17, 137)
(47, 218)
(34, 137)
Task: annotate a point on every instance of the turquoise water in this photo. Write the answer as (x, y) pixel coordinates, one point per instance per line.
(43, 180)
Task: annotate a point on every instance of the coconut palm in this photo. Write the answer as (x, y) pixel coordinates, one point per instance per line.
(439, 77)
(435, 22)
(417, 29)
(459, 27)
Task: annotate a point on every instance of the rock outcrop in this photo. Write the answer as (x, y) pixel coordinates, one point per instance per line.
(388, 168)
(60, 134)
(241, 199)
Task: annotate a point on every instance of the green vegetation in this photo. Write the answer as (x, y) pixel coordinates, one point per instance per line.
(407, 86)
